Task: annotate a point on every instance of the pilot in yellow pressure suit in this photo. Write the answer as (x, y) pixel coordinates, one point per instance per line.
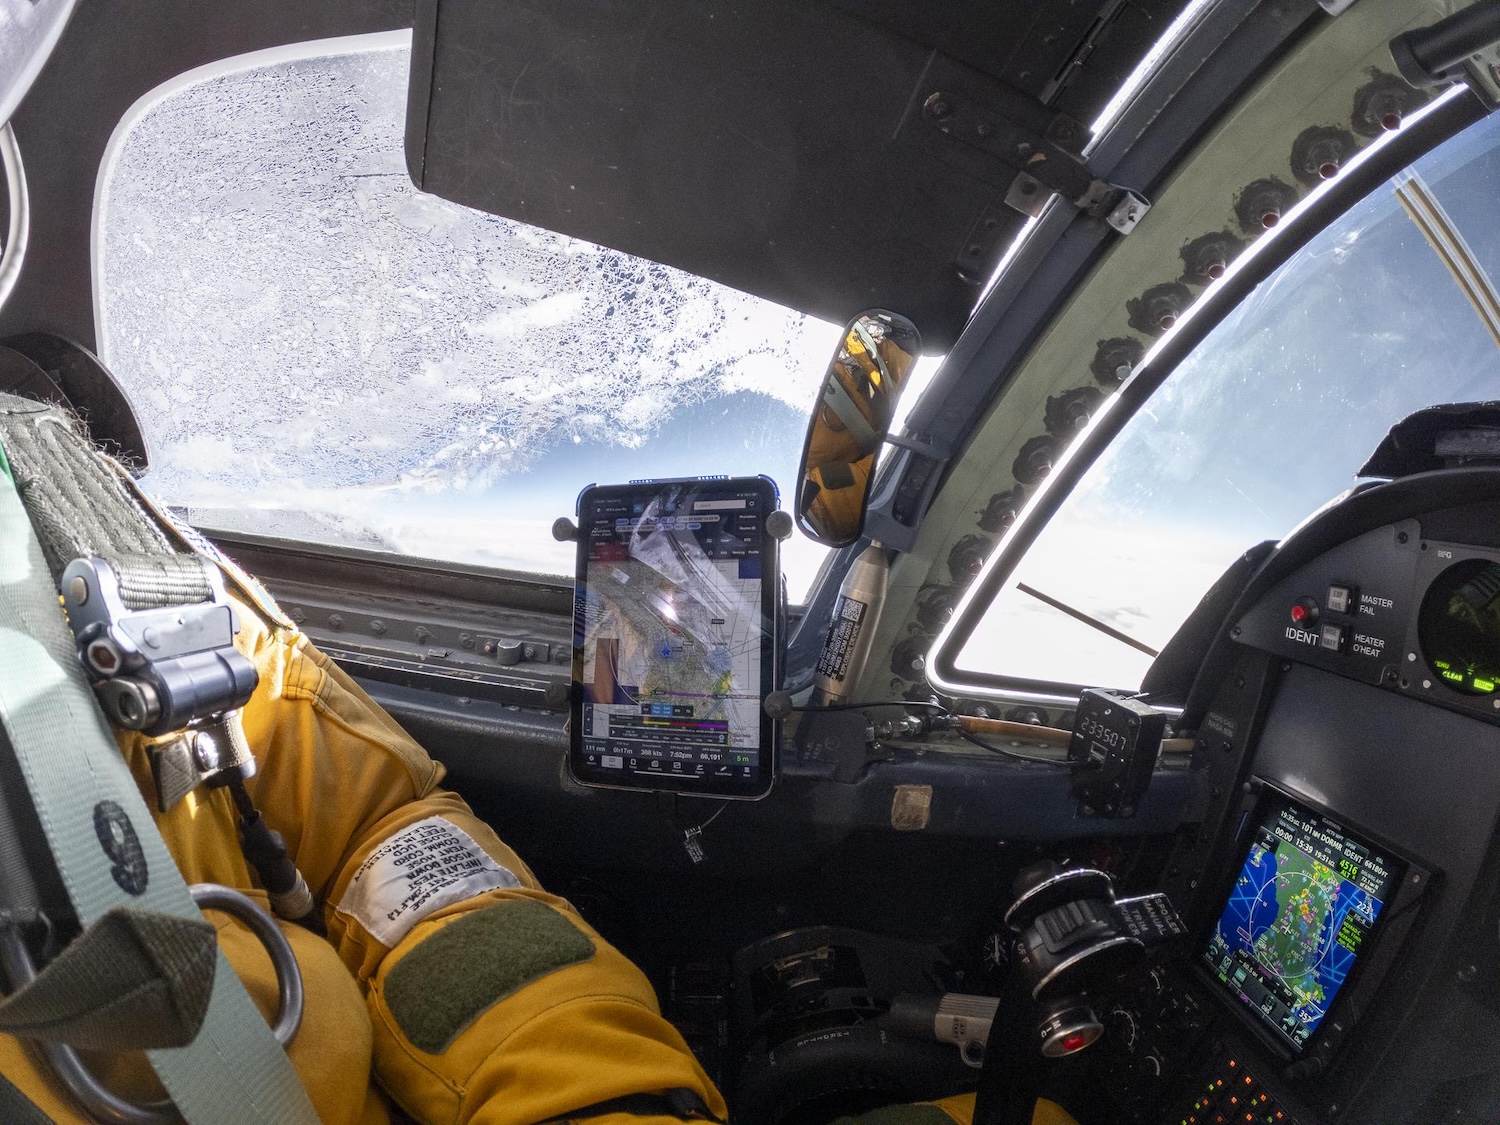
(466, 991)
(449, 978)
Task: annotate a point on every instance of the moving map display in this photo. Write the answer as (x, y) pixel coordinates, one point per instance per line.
(673, 653)
(1299, 917)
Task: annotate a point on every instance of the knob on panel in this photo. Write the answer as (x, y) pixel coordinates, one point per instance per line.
(1044, 885)
(1069, 1031)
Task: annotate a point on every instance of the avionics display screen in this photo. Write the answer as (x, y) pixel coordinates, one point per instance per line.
(1299, 917)
(674, 636)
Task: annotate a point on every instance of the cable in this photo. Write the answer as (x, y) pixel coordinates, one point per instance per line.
(983, 745)
(13, 253)
(877, 703)
(717, 813)
(266, 852)
(692, 842)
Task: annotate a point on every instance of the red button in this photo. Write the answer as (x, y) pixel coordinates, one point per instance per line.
(1075, 1042)
(1304, 611)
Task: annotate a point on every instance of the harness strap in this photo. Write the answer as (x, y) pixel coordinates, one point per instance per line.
(81, 509)
(102, 838)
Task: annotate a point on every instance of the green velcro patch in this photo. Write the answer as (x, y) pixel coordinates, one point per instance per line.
(900, 1115)
(442, 985)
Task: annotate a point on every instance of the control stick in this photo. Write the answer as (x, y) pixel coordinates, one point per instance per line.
(1072, 938)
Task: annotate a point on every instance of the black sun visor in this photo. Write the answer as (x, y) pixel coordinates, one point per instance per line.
(826, 156)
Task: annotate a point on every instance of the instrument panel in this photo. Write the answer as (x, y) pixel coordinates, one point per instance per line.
(1393, 608)
(1349, 746)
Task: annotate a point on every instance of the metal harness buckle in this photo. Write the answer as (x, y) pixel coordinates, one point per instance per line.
(162, 670)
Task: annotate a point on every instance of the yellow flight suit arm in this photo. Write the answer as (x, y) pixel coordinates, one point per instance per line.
(491, 1000)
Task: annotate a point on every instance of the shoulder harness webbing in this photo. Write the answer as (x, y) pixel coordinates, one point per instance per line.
(102, 839)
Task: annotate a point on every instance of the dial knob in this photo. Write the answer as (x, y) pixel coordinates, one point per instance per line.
(1123, 1028)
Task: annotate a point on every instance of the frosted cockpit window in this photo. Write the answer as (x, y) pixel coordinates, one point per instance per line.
(318, 351)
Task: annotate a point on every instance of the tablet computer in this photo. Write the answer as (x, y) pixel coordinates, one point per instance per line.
(675, 637)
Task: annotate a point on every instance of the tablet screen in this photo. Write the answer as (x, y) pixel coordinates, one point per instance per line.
(674, 636)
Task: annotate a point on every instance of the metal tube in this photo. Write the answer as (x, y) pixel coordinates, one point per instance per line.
(1428, 56)
(13, 253)
(852, 629)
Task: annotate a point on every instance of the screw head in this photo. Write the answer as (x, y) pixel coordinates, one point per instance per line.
(206, 753)
(78, 590)
(103, 657)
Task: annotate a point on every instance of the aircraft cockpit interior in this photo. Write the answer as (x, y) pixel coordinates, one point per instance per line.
(827, 562)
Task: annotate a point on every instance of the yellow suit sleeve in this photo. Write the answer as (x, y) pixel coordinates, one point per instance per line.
(491, 1000)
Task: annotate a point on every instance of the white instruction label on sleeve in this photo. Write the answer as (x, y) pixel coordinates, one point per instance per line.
(421, 869)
